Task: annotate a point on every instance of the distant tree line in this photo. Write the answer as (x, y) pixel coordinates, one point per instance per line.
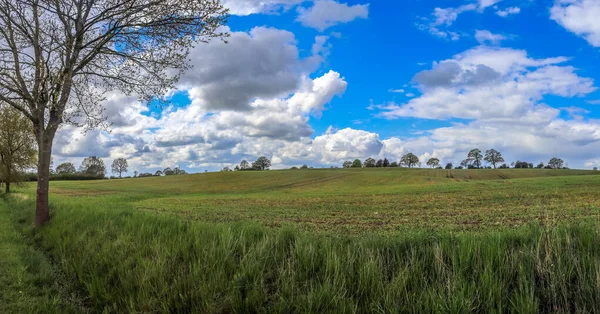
(165, 172)
(475, 160)
(93, 168)
(262, 163)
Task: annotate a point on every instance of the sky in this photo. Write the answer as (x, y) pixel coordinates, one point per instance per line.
(324, 81)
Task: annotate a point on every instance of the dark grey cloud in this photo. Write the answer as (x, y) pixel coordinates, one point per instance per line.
(442, 75)
(181, 141)
(482, 74)
(448, 74)
(276, 128)
(228, 76)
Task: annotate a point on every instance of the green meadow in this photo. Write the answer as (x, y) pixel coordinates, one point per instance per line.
(384, 240)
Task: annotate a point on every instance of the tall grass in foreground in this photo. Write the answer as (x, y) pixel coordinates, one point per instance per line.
(138, 262)
(29, 283)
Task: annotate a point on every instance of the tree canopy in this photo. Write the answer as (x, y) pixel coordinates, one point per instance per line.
(556, 163)
(433, 162)
(17, 146)
(369, 163)
(245, 165)
(93, 166)
(386, 163)
(493, 157)
(409, 160)
(119, 166)
(474, 158)
(66, 168)
(262, 163)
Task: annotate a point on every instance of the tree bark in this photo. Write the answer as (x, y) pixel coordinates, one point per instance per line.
(42, 212)
(7, 187)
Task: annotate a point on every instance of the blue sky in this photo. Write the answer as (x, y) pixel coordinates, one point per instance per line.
(323, 81)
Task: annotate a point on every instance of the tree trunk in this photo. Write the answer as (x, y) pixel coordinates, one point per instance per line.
(7, 186)
(42, 212)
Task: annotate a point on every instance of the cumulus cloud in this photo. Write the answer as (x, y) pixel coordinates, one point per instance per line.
(508, 115)
(459, 89)
(260, 64)
(192, 137)
(579, 17)
(251, 95)
(327, 13)
(333, 147)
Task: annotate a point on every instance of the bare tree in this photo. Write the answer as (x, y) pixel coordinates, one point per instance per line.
(119, 165)
(59, 57)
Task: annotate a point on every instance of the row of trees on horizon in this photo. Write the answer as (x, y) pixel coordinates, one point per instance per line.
(93, 168)
(475, 160)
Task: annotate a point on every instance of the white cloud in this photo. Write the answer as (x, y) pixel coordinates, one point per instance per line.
(579, 17)
(247, 7)
(487, 3)
(346, 144)
(491, 83)
(508, 11)
(468, 94)
(442, 18)
(506, 110)
(447, 16)
(193, 138)
(327, 13)
(485, 36)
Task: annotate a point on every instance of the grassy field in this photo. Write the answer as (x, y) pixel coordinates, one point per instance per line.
(29, 283)
(341, 241)
(356, 201)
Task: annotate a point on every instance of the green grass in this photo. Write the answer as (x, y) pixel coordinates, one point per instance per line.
(29, 283)
(359, 201)
(340, 241)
